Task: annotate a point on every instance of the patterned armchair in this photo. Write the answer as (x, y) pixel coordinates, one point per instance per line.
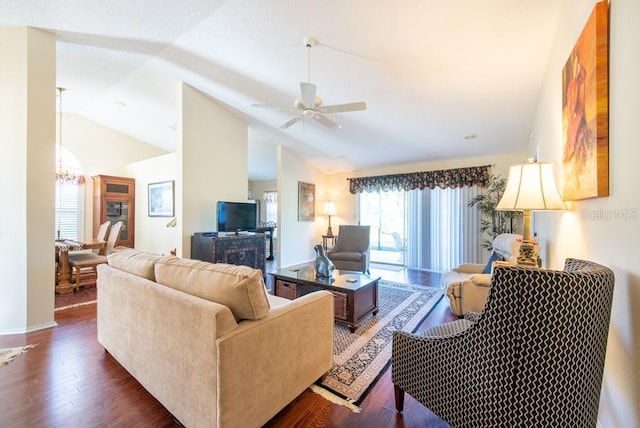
(533, 357)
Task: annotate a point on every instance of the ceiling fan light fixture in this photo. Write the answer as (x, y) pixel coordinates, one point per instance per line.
(308, 104)
(299, 104)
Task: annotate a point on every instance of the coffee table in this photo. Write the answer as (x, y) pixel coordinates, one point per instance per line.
(355, 294)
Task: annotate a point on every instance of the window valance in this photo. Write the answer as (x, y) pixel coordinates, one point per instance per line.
(452, 178)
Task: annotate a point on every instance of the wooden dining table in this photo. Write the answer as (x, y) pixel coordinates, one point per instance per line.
(63, 246)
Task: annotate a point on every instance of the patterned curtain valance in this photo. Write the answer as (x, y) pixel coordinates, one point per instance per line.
(452, 178)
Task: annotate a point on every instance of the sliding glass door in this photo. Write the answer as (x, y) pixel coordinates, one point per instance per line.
(424, 229)
(385, 213)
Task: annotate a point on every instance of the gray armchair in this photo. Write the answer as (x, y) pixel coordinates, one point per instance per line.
(533, 357)
(351, 251)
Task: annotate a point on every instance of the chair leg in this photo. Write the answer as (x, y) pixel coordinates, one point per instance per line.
(77, 287)
(399, 393)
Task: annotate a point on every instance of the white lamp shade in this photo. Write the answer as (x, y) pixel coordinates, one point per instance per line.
(531, 186)
(329, 208)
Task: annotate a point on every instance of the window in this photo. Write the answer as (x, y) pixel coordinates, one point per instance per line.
(385, 213)
(69, 202)
(68, 211)
(271, 206)
(424, 229)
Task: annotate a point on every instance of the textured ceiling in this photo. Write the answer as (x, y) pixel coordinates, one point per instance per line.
(431, 72)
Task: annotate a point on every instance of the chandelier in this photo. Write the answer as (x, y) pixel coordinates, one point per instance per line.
(63, 174)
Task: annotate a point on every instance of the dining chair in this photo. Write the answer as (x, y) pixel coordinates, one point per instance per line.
(84, 265)
(101, 236)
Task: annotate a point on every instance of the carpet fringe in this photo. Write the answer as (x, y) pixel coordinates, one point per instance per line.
(75, 306)
(327, 395)
(9, 354)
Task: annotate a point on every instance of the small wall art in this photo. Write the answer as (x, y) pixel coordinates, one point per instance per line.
(306, 201)
(161, 199)
(585, 111)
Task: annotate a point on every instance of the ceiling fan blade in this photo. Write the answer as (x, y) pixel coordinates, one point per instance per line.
(326, 121)
(290, 122)
(343, 107)
(280, 108)
(308, 94)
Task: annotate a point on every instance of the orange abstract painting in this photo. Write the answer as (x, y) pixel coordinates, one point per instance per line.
(585, 111)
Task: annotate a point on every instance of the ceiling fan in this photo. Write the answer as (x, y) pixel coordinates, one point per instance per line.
(309, 105)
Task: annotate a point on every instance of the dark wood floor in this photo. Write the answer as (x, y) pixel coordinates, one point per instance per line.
(68, 380)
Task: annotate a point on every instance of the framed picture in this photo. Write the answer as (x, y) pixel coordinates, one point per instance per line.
(306, 201)
(161, 200)
(585, 111)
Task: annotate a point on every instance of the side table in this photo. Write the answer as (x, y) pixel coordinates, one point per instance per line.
(328, 241)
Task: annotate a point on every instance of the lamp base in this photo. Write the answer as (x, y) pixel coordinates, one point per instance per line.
(527, 256)
(329, 232)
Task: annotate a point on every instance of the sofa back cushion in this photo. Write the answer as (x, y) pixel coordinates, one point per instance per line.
(240, 288)
(134, 261)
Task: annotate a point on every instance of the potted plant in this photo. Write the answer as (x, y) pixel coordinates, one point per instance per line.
(494, 222)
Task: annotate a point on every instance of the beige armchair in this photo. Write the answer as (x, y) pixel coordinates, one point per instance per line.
(467, 286)
(351, 251)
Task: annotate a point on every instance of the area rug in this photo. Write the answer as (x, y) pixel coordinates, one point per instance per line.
(361, 357)
(9, 354)
(83, 296)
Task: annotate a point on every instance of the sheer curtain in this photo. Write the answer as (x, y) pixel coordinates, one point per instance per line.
(442, 230)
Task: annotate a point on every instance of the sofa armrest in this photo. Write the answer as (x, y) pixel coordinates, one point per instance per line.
(481, 279)
(469, 268)
(277, 357)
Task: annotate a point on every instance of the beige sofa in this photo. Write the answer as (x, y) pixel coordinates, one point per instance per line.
(207, 340)
(467, 286)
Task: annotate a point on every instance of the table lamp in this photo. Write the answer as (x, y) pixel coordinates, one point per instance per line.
(329, 209)
(530, 187)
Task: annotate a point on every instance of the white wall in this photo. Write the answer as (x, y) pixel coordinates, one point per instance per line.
(27, 171)
(297, 238)
(101, 150)
(597, 229)
(212, 163)
(152, 233)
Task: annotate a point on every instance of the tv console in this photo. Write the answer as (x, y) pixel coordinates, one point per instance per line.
(241, 249)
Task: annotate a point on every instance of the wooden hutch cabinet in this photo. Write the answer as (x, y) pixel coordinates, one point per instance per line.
(114, 200)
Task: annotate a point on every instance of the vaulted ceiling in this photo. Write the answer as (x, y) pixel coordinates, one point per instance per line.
(432, 72)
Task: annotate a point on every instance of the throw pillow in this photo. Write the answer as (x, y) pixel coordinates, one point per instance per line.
(494, 258)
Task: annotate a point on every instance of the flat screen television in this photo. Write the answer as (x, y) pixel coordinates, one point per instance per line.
(237, 216)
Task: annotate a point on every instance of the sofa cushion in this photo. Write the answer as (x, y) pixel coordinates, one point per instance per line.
(134, 261)
(240, 288)
(347, 255)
